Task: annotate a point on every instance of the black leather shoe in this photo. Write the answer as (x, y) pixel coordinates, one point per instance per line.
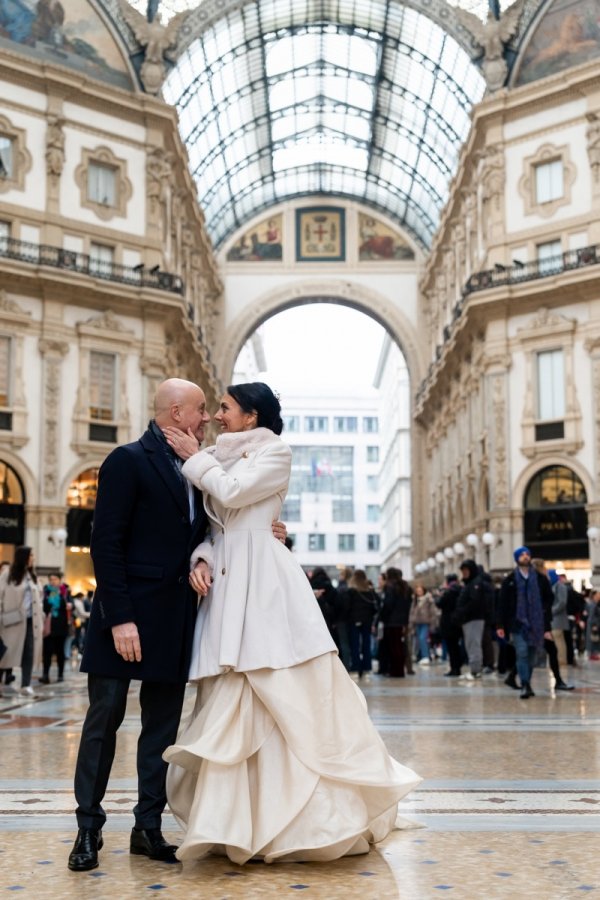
(150, 842)
(526, 691)
(511, 681)
(561, 686)
(84, 855)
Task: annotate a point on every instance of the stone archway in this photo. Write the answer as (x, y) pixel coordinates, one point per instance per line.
(346, 293)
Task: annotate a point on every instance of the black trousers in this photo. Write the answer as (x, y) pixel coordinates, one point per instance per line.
(54, 645)
(161, 710)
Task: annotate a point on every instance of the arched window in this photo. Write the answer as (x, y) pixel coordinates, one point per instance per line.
(81, 500)
(555, 516)
(12, 511)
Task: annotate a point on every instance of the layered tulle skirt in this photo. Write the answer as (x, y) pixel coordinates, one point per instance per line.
(283, 764)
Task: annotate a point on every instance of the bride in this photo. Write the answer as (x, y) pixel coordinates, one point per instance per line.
(279, 759)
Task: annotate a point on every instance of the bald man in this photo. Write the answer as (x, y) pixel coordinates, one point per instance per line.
(147, 521)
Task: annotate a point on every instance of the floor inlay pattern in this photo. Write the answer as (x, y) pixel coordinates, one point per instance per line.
(509, 806)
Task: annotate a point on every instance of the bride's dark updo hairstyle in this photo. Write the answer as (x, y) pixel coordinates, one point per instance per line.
(255, 396)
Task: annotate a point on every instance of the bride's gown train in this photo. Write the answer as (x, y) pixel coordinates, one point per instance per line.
(283, 764)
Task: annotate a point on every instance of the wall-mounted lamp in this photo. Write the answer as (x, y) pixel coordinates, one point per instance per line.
(488, 538)
(472, 540)
(593, 534)
(449, 553)
(58, 537)
(459, 548)
(440, 558)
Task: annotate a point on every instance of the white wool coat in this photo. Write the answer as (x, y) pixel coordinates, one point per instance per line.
(260, 611)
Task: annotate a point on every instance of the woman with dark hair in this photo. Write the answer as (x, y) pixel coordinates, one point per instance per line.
(21, 617)
(279, 759)
(362, 602)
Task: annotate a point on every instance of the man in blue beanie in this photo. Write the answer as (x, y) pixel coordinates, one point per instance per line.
(525, 613)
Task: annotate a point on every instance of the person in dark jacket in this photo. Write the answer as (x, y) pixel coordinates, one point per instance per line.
(147, 521)
(394, 613)
(362, 607)
(451, 632)
(470, 615)
(57, 602)
(525, 614)
(327, 597)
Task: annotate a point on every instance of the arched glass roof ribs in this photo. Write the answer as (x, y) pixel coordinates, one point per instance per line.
(276, 102)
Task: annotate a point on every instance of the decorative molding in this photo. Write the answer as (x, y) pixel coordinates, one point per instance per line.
(499, 481)
(527, 188)
(108, 323)
(123, 188)
(10, 309)
(21, 157)
(593, 148)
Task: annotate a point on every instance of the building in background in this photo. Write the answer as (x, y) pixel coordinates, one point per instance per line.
(332, 509)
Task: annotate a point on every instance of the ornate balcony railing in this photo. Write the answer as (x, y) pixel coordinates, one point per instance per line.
(59, 258)
(539, 268)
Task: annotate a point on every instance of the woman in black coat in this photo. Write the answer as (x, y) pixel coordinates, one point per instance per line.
(395, 610)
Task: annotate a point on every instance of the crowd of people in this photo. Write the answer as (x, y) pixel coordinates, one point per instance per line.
(476, 625)
(38, 624)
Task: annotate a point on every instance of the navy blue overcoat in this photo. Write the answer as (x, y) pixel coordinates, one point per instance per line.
(142, 540)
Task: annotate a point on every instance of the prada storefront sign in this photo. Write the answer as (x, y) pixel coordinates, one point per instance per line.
(560, 529)
(12, 523)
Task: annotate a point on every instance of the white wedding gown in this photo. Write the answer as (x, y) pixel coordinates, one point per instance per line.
(279, 762)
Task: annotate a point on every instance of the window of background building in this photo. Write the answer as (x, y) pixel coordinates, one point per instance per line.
(549, 256)
(551, 384)
(346, 542)
(371, 424)
(6, 157)
(102, 386)
(316, 542)
(373, 512)
(372, 542)
(4, 235)
(101, 259)
(316, 423)
(291, 509)
(102, 184)
(345, 423)
(322, 470)
(372, 482)
(291, 423)
(372, 454)
(342, 509)
(549, 181)
(550, 395)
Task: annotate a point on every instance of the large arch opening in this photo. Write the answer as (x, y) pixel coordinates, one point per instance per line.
(344, 385)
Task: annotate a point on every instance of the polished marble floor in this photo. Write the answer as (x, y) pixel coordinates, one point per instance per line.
(509, 806)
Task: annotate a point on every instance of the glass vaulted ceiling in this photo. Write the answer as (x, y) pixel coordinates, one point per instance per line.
(371, 103)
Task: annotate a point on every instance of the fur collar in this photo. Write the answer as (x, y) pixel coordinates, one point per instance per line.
(232, 446)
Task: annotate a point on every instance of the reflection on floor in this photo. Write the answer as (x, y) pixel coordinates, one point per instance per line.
(509, 805)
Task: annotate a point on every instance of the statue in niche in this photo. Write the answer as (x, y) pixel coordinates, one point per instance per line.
(157, 39)
(492, 36)
(55, 146)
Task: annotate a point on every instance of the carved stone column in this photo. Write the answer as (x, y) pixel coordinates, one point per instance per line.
(499, 473)
(53, 352)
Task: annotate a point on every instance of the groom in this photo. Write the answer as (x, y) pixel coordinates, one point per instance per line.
(147, 521)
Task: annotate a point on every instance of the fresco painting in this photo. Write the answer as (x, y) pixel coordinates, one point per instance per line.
(568, 35)
(379, 241)
(261, 243)
(69, 33)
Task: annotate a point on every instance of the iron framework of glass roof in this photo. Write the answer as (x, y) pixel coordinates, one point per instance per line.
(278, 100)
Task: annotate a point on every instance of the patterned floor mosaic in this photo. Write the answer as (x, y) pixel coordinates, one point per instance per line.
(509, 806)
